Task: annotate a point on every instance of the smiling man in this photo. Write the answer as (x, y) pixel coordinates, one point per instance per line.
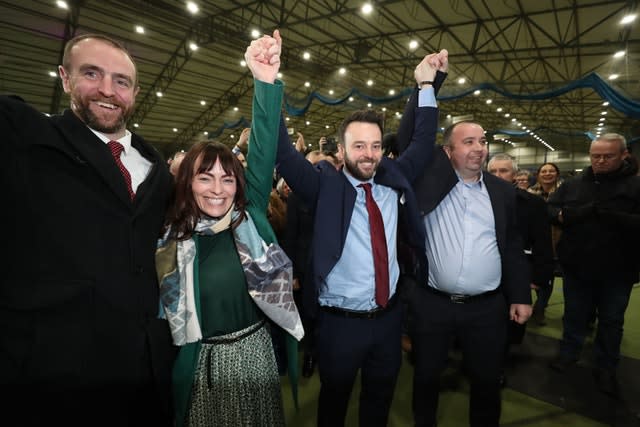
(351, 289)
(478, 276)
(79, 296)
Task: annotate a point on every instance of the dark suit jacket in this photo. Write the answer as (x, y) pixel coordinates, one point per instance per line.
(535, 229)
(439, 177)
(78, 290)
(332, 197)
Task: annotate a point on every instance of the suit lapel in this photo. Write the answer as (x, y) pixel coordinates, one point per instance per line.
(90, 149)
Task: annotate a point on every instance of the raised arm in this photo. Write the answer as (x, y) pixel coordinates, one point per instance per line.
(263, 60)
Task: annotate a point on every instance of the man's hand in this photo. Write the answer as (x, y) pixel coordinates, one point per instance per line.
(300, 147)
(426, 69)
(263, 57)
(520, 313)
(243, 141)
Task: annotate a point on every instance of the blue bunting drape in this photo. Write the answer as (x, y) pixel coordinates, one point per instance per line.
(299, 106)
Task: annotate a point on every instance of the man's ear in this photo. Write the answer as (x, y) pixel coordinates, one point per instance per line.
(447, 150)
(64, 76)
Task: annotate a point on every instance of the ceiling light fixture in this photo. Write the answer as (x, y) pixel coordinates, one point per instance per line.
(139, 29)
(619, 54)
(628, 19)
(367, 8)
(192, 7)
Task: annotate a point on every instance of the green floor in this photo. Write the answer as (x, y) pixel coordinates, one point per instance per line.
(519, 408)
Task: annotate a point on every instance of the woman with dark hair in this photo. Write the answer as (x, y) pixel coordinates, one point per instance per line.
(221, 273)
(547, 181)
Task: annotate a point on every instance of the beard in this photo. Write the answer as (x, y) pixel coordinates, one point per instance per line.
(82, 107)
(352, 167)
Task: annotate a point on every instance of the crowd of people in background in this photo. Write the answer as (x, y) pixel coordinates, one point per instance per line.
(139, 291)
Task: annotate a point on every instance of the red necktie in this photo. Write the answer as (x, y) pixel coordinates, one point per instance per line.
(116, 149)
(378, 247)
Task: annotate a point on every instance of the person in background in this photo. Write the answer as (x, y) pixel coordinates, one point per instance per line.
(522, 179)
(81, 342)
(599, 213)
(535, 230)
(352, 298)
(175, 161)
(221, 273)
(547, 181)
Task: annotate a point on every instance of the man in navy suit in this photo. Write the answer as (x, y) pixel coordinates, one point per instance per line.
(81, 343)
(478, 275)
(354, 332)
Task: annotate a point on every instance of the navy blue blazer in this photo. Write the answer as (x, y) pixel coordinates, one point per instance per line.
(332, 197)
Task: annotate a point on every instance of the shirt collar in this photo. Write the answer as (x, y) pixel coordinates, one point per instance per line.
(125, 140)
(355, 182)
(479, 182)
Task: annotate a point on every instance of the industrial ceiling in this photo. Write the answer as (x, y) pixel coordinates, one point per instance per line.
(535, 61)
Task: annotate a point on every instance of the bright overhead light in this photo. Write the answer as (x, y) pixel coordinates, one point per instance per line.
(235, 108)
(326, 126)
(614, 76)
(279, 75)
(489, 101)
(232, 136)
(62, 4)
(604, 113)
(384, 108)
(243, 63)
(461, 80)
(192, 7)
(392, 92)
(307, 84)
(203, 102)
(413, 44)
(307, 123)
(619, 54)
(139, 29)
(507, 114)
(476, 92)
(369, 82)
(175, 129)
(330, 91)
(342, 70)
(367, 8)
(205, 133)
(135, 125)
(306, 55)
(368, 105)
(53, 74)
(499, 109)
(351, 99)
(159, 94)
(605, 104)
(255, 34)
(602, 119)
(287, 118)
(513, 120)
(193, 46)
(628, 19)
(448, 116)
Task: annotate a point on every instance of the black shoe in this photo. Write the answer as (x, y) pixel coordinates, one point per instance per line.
(562, 363)
(607, 382)
(308, 366)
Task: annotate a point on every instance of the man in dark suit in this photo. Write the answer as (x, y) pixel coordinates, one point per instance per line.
(535, 230)
(81, 343)
(355, 330)
(478, 276)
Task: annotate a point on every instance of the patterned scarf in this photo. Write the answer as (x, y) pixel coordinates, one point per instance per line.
(267, 269)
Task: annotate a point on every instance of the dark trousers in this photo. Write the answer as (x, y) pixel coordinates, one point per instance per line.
(543, 294)
(346, 345)
(610, 297)
(480, 326)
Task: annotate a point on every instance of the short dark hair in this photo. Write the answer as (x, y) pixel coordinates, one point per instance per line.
(446, 136)
(66, 56)
(184, 213)
(367, 116)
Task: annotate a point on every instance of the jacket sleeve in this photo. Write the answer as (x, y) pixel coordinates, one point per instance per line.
(267, 100)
